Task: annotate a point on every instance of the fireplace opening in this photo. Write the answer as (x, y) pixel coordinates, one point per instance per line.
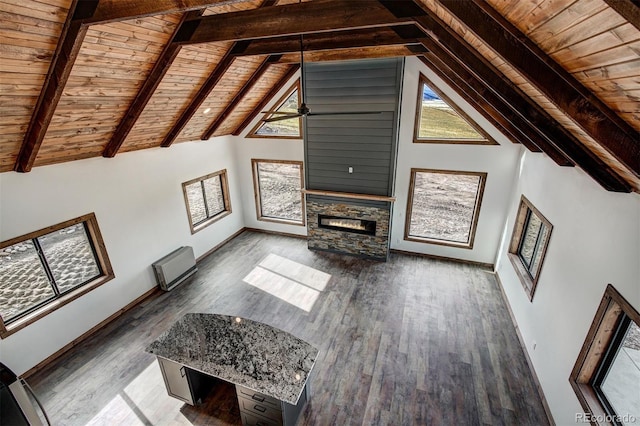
(357, 226)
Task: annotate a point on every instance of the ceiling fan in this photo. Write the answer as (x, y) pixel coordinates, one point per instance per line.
(303, 109)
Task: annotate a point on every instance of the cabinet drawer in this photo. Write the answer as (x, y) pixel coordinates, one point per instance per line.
(260, 409)
(249, 419)
(258, 397)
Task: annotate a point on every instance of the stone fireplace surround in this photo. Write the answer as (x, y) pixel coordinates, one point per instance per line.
(337, 241)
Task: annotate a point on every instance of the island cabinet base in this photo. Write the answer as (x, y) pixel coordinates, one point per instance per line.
(182, 382)
(257, 409)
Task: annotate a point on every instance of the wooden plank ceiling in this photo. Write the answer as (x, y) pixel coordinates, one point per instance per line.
(88, 78)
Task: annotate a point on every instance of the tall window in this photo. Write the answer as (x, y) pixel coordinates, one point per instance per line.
(606, 374)
(439, 120)
(443, 207)
(207, 199)
(281, 129)
(278, 186)
(56, 264)
(531, 235)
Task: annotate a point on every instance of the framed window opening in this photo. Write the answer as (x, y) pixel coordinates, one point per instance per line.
(284, 129)
(278, 191)
(604, 373)
(440, 120)
(207, 199)
(46, 269)
(529, 243)
(443, 207)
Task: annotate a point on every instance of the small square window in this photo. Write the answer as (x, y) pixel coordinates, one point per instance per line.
(278, 190)
(529, 242)
(207, 199)
(606, 374)
(443, 207)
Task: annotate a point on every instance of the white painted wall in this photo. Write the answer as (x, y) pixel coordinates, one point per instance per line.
(595, 241)
(500, 162)
(138, 201)
(265, 149)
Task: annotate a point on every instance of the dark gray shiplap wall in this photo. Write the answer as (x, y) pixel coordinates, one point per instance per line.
(367, 143)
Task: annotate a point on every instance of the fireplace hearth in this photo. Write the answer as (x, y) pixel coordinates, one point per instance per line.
(356, 226)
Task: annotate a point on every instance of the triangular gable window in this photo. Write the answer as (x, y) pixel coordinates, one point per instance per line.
(283, 129)
(439, 120)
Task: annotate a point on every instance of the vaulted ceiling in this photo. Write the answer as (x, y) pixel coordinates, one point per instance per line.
(89, 78)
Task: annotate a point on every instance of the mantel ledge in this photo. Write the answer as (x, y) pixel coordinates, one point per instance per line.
(349, 195)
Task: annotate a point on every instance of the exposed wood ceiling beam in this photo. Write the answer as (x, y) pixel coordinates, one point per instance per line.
(399, 35)
(119, 10)
(248, 85)
(356, 53)
(265, 100)
(147, 90)
(578, 103)
(292, 19)
(209, 84)
(554, 139)
(201, 96)
(628, 9)
(71, 37)
(588, 161)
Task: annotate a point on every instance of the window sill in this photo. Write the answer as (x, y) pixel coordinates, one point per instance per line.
(13, 327)
(456, 141)
(468, 246)
(283, 221)
(528, 284)
(210, 221)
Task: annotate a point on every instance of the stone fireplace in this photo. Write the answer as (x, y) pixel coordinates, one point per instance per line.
(345, 225)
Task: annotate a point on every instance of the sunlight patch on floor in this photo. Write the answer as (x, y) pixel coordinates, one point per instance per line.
(143, 402)
(293, 282)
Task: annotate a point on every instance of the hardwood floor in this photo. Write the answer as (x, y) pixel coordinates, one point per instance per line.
(406, 342)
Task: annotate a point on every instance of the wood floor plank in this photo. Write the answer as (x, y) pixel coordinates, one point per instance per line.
(410, 341)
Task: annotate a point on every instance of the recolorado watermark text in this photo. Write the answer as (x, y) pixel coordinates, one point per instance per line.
(620, 418)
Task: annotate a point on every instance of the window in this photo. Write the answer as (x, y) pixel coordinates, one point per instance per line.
(606, 374)
(529, 242)
(443, 207)
(207, 199)
(277, 186)
(47, 269)
(283, 129)
(439, 120)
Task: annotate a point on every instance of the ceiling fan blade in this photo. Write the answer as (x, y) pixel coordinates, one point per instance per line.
(278, 112)
(346, 113)
(284, 117)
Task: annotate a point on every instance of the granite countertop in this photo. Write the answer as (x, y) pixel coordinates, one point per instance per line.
(240, 351)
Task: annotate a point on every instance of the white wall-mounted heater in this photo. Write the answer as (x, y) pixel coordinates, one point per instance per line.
(175, 267)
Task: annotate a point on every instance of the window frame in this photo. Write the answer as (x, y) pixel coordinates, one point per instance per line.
(595, 350)
(423, 80)
(474, 220)
(528, 280)
(256, 192)
(224, 187)
(101, 258)
(252, 133)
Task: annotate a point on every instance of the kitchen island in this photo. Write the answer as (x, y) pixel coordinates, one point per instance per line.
(269, 367)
